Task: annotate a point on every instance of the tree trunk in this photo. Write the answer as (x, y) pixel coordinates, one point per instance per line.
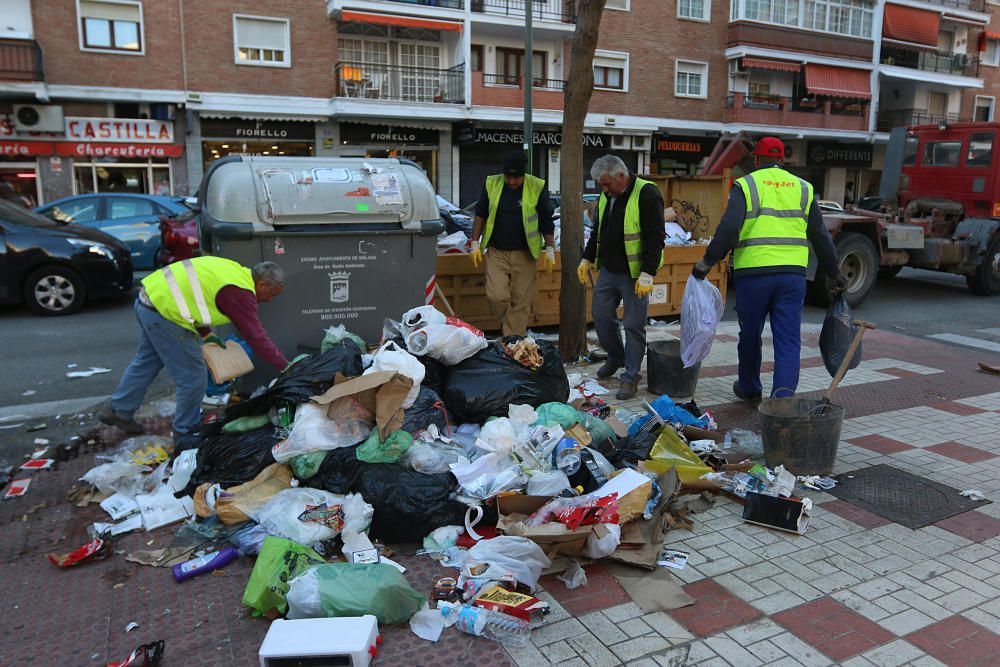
(579, 86)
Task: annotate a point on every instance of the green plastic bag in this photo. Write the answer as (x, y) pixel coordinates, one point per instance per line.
(375, 451)
(556, 414)
(306, 465)
(245, 424)
(278, 562)
(356, 589)
(334, 335)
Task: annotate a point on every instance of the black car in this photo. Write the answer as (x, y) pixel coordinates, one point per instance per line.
(54, 267)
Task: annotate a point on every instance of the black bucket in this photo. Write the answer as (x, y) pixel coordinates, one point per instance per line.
(796, 436)
(666, 371)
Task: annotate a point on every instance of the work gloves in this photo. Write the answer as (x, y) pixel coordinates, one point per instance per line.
(839, 285)
(643, 285)
(583, 270)
(700, 270)
(549, 258)
(475, 254)
(214, 339)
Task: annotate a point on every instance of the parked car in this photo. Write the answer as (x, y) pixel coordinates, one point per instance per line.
(829, 206)
(179, 235)
(132, 218)
(56, 267)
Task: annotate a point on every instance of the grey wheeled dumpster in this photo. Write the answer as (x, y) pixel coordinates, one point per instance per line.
(355, 236)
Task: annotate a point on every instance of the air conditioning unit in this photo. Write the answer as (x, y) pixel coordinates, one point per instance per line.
(38, 118)
(621, 142)
(640, 143)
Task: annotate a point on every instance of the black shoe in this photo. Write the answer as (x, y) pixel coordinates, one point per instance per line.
(627, 390)
(608, 369)
(111, 418)
(749, 398)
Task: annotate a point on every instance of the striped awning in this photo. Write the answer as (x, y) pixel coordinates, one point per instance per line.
(767, 63)
(402, 21)
(912, 25)
(838, 81)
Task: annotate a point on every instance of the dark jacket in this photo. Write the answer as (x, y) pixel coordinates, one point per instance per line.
(508, 228)
(613, 231)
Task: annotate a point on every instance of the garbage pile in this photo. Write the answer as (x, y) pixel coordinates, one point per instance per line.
(477, 450)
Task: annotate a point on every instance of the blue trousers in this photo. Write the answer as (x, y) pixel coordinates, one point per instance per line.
(613, 289)
(163, 343)
(780, 296)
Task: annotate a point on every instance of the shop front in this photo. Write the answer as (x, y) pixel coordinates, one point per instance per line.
(679, 154)
(240, 136)
(841, 172)
(19, 167)
(419, 144)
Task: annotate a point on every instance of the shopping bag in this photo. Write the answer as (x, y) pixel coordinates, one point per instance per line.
(701, 311)
(837, 334)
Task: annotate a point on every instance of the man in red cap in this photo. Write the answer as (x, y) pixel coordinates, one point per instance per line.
(770, 220)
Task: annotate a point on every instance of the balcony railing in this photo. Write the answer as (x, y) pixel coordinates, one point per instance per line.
(543, 10)
(447, 4)
(21, 61)
(515, 80)
(496, 90)
(959, 64)
(375, 81)
(974, 5)
(831, 113)
(887, 120)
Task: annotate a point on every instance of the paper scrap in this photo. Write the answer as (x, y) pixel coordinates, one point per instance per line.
(94, 370)
(37, 464)
(973, 494)
(673, 559)
(119, 506)
(17, 488)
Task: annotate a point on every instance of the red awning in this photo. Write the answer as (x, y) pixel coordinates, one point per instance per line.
(766, 63)
(403, 21)
(909, 24)
(838, 81)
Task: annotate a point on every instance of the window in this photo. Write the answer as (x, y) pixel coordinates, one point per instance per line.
(476, 58)
(111, 26)
(942, 153)
(510, 65)
(910, 151)
(262, 41)
(991, 56)
(130, 208)
(980, 150)
(691, 79)
(419, 75)
(621, 5)
(697, 10)
(844, 17)
(611, 70)
(78, 211)
(984, 108)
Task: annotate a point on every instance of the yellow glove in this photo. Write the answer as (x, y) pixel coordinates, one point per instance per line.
(644, 285)
(549, 258)
(475, 254)
(583, 270)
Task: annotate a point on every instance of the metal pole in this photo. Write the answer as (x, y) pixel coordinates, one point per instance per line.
(528, 58)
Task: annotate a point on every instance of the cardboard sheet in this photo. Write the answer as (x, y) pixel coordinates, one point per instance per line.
(382, 392)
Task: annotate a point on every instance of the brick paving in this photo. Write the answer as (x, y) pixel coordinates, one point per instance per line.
(855, 590)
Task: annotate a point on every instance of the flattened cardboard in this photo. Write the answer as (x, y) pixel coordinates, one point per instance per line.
(651, 532)
(656, 591)
(787, 514)
(382, 392)
(554, 538)
(242, 502)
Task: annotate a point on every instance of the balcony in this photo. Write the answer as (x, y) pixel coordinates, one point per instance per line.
(825, 113)
(741, 33)
(375, 81)
(887, 120)
(957, 64)
(563, 11)
(446, 4)
(21, 61)
(498, 90)
(971, 5)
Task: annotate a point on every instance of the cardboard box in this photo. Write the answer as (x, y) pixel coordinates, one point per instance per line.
(382, 392)
(554, 538)
(358, 549)
(519, 605)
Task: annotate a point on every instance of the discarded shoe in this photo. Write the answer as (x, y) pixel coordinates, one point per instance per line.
(111, 418)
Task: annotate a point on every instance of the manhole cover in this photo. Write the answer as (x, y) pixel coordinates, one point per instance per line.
(901, 497)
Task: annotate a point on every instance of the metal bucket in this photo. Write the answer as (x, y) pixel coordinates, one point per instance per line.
(796, 436)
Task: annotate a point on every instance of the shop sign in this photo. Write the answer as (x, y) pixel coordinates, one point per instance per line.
(361, 133)
(828, 154)
(92, 149)
(684, 148)
(25, 148)
(119, 129)
(239, 128)
(6, 126)
(540, 138)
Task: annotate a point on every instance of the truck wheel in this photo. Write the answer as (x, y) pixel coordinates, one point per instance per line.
(986, 280)
(887, 272)
(858, 263)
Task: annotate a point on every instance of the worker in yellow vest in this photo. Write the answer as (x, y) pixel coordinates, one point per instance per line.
(513, 218)
(769, 222)
(176, 308)
(627, 246)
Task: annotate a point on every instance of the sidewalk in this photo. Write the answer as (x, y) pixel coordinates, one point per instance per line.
(855, 590)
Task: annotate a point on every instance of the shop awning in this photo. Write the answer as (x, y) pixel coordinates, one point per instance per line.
(402, 21)
(767, 63)
(909, 24)
(838, 81)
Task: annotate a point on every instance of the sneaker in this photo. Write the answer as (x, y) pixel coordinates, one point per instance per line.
(111, 418)
(608, 369)
(627, 390)
(749, 398)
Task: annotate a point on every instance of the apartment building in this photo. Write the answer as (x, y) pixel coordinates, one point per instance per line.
(133, 95)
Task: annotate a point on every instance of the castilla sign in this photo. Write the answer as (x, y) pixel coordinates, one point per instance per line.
(119, 129)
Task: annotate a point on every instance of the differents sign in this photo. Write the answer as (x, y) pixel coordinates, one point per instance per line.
(828, 154)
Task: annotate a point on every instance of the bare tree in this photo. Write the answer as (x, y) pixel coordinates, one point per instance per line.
(579, 86)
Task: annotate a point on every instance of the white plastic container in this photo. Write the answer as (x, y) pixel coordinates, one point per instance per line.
(353, 638)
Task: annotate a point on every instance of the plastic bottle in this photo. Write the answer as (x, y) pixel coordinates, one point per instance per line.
(206, 563)
(486, 623)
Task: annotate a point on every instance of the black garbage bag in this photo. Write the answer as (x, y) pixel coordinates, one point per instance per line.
(486, 384)
(408, 504)
(835, 338)
(306, 378)
(426, 410)
(435, 374)
(339, 472)
(627, 452)
(231, 459)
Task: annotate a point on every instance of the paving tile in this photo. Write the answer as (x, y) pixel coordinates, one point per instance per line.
(601, 592)
(766, 651)
(559, 652)
(906, 622)
(715, 609)
(603, 628)
(732, 652)
(593, 651)
(665, 626)
(958, 641)
(639, 647)
(972, 525)
(960, 452)
(804, 654)
(856, 514)
(833, 628)
(893, 654)
(958, 408)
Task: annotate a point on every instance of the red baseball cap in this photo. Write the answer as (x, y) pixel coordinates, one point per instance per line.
(770, 147)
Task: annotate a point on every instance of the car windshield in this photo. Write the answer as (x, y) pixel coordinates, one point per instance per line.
(22, 216)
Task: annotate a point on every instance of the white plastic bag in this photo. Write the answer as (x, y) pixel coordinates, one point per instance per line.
(391, 357)
(430, 458)
(573, 576)
(701, 311)
(313, 430)
(446, 342)
(427, 623)
(118, 477)
(303, 597)
(182, 469)
(547, 483)
(281, 514)
(420, 317)
(602, 547)
(504, 555)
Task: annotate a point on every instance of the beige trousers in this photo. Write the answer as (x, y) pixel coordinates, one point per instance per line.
(510, 288)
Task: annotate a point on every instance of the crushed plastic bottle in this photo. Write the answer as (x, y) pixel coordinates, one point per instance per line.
(486, 623)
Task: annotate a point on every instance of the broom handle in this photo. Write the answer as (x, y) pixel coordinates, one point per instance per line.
(862, 325)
